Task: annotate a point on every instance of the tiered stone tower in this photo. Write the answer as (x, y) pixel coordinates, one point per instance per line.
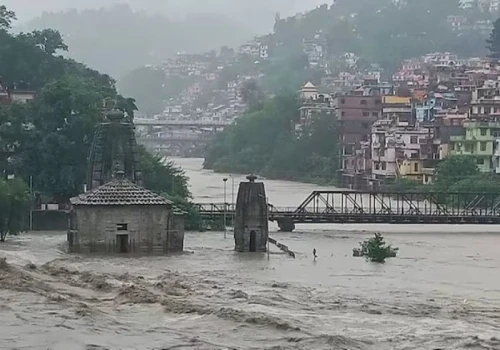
(251, 228)
(114, 149)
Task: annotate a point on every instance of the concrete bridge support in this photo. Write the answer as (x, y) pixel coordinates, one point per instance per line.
(286, 225)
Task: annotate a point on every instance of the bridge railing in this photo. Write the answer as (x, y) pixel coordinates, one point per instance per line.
(382, 204)
(405, 204)
(174, 137)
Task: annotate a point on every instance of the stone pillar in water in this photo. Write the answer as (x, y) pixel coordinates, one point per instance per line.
(251, 227)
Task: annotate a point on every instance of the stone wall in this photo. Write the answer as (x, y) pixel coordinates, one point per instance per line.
(150, 229)
(177, 240)
(50, 220)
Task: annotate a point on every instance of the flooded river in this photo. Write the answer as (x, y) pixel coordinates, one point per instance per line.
(442, 292)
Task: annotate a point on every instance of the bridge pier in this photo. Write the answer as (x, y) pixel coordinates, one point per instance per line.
(286, 225)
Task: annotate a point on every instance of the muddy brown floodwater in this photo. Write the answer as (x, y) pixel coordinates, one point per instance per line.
(442, 292)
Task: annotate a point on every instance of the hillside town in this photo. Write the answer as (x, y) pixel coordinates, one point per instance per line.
(399, 127)
(434, 106)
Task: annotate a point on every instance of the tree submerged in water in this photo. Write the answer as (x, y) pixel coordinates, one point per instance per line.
(375, 249)
(14, 202)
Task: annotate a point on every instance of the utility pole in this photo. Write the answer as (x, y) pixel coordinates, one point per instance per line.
(232, 193)
(267, 211)
(31, 203)
(225, 207)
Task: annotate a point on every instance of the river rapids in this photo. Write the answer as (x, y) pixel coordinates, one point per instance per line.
(441, 292)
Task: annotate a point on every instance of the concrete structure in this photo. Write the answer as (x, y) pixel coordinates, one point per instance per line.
(251, 228)
(122, 217)
(479, 139)
(398, 109)
(402, 151)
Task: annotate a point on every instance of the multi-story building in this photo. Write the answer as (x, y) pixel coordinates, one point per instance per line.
(356, 115)
(315, 49)
(313, 104)
(402, 151)
(485, 101)
(479, 139)
(398, 109)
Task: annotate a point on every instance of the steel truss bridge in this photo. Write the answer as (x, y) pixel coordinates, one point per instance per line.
(177, 144)
(351, 207)
(183, 123)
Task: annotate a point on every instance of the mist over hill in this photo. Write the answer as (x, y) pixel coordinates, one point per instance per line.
(117, 39)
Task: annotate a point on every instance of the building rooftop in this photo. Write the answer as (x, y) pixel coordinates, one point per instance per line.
(309, 85)
(119, 192)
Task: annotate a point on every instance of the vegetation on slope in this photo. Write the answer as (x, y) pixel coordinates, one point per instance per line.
(49, 139)
(265, 142)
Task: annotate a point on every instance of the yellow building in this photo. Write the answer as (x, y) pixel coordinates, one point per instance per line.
(413, 169)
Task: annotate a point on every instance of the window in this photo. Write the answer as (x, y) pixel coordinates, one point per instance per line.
(483, 132)
(366, 114)
(480, 161)
(342, 101)
(374, 114)
(342, 114)
(121, 227)
(381, 152)
(377, 102)
(377, 166)
(384, 165)
(413, 140)
(482, 146)
(452, 146)
(469, 148)
(415, 167)
(363, 102)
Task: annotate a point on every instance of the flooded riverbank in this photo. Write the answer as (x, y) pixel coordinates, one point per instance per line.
(440, 293)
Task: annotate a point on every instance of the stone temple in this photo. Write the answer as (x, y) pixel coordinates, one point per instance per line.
(114, 149)
(117, 215)
(251, 227)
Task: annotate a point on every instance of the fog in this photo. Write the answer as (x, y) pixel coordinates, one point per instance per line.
(155, 29)
(255, 14)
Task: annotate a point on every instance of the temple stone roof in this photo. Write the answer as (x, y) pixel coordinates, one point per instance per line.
(309, 86)
(119, 192)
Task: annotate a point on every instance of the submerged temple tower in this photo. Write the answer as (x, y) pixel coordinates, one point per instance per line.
(116, 214)
(251, 228)
(114, 149)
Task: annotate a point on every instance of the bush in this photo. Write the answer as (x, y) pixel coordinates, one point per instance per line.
(376, 250)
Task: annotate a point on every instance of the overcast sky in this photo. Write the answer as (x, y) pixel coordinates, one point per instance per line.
(27, 9)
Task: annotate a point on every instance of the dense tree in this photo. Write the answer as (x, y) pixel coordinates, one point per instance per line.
(6, 17)
(14, 201)
(161, 177)
(49, 40)
(252, 95)
(266, 142)
(376, 250)
(454, 169)
(49, 139)
(494, 41)
(371, 28)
